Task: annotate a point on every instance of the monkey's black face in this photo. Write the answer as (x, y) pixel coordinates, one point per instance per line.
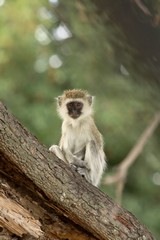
(74, 109)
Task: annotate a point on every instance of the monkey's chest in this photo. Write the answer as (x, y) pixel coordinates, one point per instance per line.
(77, 140)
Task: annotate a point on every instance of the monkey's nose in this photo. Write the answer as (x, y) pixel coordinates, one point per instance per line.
(74, 114)
(74, 111)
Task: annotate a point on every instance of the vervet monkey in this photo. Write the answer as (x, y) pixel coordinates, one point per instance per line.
(81, 144)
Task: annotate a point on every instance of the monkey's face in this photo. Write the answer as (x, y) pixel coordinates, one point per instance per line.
(74, 109)
(74, 105)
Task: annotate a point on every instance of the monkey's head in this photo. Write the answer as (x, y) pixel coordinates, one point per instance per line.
(74, 104)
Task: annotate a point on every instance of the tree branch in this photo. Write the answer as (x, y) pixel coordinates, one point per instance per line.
(119, 177)
(17, 219)
(143, 7)
(51, 181)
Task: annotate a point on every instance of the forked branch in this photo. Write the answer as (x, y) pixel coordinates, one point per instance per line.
(119, 177)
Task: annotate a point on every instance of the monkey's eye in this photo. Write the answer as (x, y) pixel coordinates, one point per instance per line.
(74, 105)
(79, 104)
(70, 106)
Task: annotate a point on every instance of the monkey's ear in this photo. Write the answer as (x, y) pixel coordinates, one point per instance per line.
(90, 99)
(59, 100)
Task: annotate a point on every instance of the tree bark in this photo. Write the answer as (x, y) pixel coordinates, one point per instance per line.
(56, 200)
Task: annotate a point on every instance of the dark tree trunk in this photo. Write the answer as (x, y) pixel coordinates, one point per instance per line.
(42, 197)
(139, 28)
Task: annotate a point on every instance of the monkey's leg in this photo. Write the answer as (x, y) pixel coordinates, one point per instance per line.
(80, 154)
(90, 157)
(83, 167)
(96, 161)
(58, 152)
(73, 159)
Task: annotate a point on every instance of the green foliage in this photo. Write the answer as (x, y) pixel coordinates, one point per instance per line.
(36, 67)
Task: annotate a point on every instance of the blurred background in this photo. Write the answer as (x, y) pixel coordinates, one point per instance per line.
(110, 48)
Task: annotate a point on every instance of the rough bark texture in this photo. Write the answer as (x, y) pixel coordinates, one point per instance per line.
(60, 203)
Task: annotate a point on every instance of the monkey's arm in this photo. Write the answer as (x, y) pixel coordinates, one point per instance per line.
(81, 153)
(94, 161)
(68, 157)
(76, 158)
(58, 152)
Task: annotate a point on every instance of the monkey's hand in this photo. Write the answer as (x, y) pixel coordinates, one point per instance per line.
(79, 163)
(85, 173)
